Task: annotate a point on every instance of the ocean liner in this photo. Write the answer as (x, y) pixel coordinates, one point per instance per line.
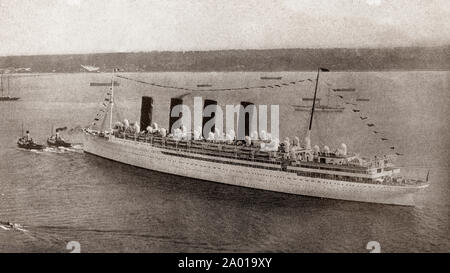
(257, 162)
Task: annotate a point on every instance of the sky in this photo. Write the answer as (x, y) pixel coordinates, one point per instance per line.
(29, 27)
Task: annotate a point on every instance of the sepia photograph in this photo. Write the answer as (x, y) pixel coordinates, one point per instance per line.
(245, 127)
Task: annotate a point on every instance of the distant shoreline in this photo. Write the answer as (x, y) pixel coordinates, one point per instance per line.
(261, 71)
(270, 60)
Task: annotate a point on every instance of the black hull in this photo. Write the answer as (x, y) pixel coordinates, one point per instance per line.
(9, 98)
(32, 146)
(58, 144)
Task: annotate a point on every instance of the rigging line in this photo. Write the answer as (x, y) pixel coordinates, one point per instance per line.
(381, 136)
(281, 85)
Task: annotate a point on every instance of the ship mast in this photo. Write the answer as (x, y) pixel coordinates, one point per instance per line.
(111, 101)
(308, 135)
(1, 82)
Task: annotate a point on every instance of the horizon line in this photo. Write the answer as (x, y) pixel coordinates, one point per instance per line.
(215, 50)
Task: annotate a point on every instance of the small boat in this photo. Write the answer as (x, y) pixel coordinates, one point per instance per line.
(103, 83)
(270, 78)
(344, 89)
(11, 226)
(51, 141)
(29, 144)
(319, 108)
(204, 85)
(8, 98)
(327, 107)
(58, 142)
(3, 97)
(90, 68)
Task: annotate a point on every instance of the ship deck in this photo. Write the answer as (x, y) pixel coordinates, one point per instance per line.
(245, 156)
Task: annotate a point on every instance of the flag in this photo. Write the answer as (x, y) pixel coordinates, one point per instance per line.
(392, 148)
(355, 110)
(383, 139)
(363, 118)
(370, 124)
(324, 69)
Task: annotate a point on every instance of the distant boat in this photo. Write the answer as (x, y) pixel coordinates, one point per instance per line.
(90, 68)
(204, 85)
(23, 70)
(362, 99)
(344, 89)
(318, 108)
(103, 83)
(8, 97)
(270, 78)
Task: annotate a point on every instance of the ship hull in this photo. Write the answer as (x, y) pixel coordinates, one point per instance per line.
(208, 168)
(9, 98)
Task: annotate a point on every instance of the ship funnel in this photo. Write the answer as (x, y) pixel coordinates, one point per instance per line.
(146, 112)
(211, 106)
(173, 103)
(247, 119)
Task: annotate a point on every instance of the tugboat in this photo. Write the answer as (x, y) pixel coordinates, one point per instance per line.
(57, 141)
(26, 142)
